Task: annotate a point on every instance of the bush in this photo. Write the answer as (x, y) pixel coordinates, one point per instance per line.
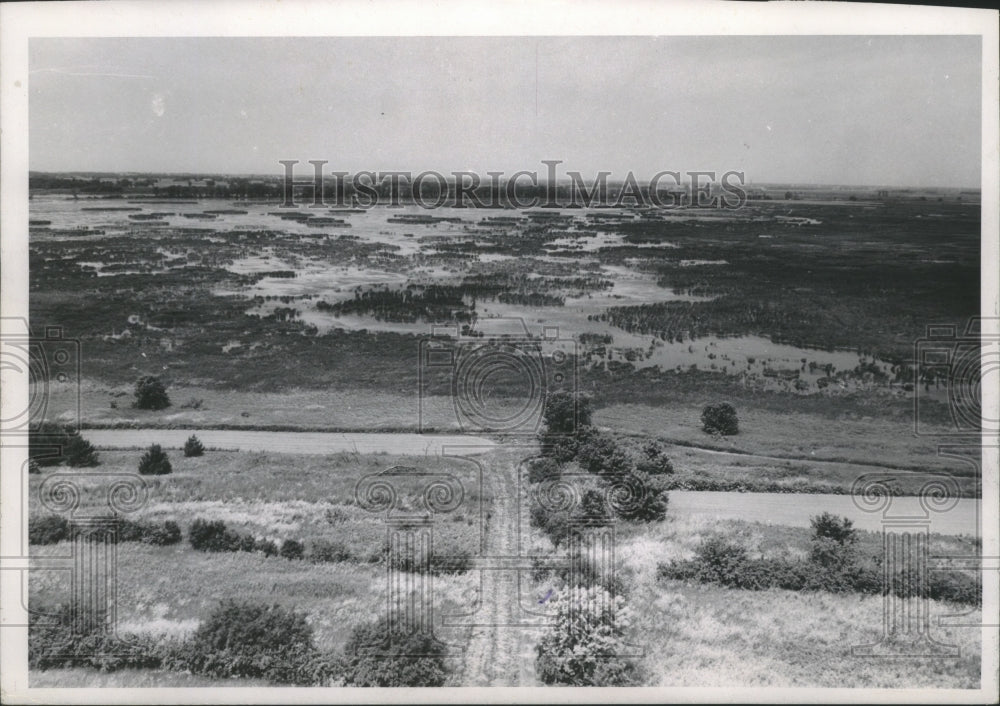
(150, 393)
(829, 526)
(323, 550)
(72, 638)
(267, 546)
(720, 419)
(411, 659)
(51, 444)
(721, 561)
(154, 462)
(650, 506)
(213, 536)
(583, 647)
(292, 549)
(541, 469)
(241, 639)
(654, 460)
(566, 413)
(80, 453)
(162, 535)
(48, 529)
(601, 455)
(193, 447)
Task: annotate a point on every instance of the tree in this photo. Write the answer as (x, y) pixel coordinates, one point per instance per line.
(833, 541)
(566, 412)
(720, 419)
(582, 648)
(150, 393)
(50, 444)
(154, 462)
(193, 446)
(80, 453)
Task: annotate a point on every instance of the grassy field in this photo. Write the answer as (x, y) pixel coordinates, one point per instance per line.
(703, 635)
(875, 441)
(693, 635)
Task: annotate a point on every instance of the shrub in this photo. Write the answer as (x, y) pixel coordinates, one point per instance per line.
(71, 637)
(601, 455)
(323, 550)
(267, 546)
(830, 554)
(720, 419)
(410, 659)
(838, 529)
(562, 449)
(654, 460)
(241, 639)
(541, 469)
(291, 549)
(48, 529)
(154, 462)
(650, 505)
(720, 560)
(193, 447)
(582, 648)
(150, 393)
(566, 413)
(161, 535)
(51, 444)
(213, 536)
(80, 453)
(148, 532)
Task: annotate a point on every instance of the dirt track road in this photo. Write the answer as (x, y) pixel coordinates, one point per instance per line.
(498, 653)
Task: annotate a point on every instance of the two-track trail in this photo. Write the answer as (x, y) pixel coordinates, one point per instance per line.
(497, 651)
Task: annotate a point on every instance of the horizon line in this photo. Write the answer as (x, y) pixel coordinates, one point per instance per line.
(278, 175)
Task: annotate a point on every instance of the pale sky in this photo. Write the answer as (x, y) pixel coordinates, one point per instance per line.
(830, 110)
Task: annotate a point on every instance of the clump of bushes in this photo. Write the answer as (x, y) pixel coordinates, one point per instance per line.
(242, 639)
(69, 636)
(654, 460)
(584, 646)
(720, 419)
(48, 529)
(151, 393)
(193, 447)
(51, 444)
(444, 560)
(154, 462)
(833, 565)
(238, 639)
(149, 532)
(601, 455)
(542, 469)
(410, 659)
(323, 550)
(214, 536)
